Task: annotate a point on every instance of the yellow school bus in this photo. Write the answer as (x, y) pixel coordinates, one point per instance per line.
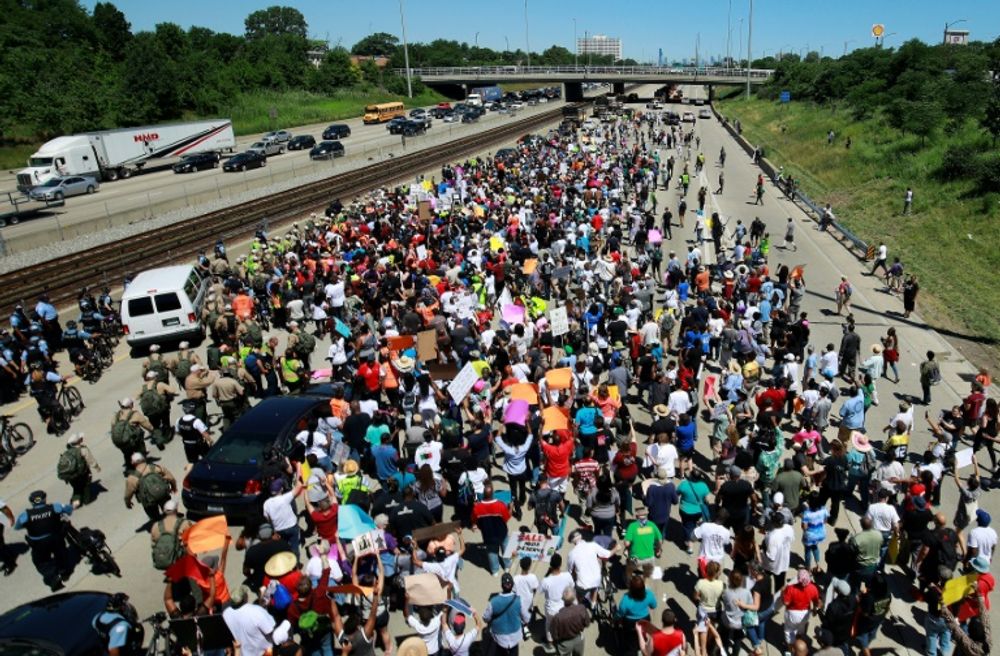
(384, 112)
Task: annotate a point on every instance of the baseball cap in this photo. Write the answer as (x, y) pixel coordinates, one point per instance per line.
(170, 506)
(265, 531)
(983, 518)
(507, 581)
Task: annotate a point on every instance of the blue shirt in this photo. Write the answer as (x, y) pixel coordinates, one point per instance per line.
(46, 311)
(636, 609)
(385, 461)
(118, 631)
(585, 418)
(686, 436)
(852, 413)
(60, 509)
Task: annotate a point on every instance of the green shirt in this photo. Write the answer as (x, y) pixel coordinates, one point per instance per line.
(643, 540)
(869, 547)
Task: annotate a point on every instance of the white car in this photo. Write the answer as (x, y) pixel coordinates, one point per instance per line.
(705, 113)
(279, 136)
(688, 117)
(517, 105)
(267, 148)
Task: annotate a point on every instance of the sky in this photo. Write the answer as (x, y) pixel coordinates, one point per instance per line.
(645, 27)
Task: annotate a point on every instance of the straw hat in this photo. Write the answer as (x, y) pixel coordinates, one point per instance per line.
(876, 348)
(860, 442)
(350, 467)
(412, 646)
(405, 364)
(661, 410)
(280, 564)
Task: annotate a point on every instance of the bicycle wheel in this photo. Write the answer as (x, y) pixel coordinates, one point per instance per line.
(105, 355)
(21, 438)
(6, 464)
(71, 400)
(60, 420)
(107, 562)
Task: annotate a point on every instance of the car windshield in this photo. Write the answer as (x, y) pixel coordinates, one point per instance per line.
(259, 144)
(54, 182)
(240, 448)
(40, 161)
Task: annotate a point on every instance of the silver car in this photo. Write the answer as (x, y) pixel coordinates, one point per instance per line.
(267, 148)
(59, 188)
(280, 136)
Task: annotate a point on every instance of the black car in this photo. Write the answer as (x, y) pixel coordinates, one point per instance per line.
(395, 126)
(438, 112)
(412, 128)
(59, 624)
(337, 131)
(326, 150)
(301, 142)
(226, 481)
(243, 161)
(196, 162)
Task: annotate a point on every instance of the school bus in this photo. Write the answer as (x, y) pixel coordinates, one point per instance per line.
(384, 112)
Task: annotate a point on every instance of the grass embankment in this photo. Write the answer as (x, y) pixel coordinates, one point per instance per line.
(251, 114)
(950, 240)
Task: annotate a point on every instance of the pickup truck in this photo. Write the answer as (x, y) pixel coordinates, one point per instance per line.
(267, 148)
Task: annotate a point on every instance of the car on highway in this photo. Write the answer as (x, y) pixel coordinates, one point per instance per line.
(327, 150)
(673, 118)
(445, 106)
(59, 188)
(196, 162)
(226, 480)
(412, 128)
(395, 125)
(470, 116)
(301, 142)
(451, 117)
(698, 102)
(688, 117)
(250, 159)
(278, 136)
(705, 113)
(439, 112)
(517, 105)
(266, 148)
(336, 131)
(57, 625)
(654, 105)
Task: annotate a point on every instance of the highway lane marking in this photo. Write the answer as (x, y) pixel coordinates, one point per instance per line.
(72, 381)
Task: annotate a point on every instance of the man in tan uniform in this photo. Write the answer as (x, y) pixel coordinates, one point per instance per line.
(154, 399)
(230, 396)
(152, 485)
(180, 365)
(129, 414)
(196, 386)
(170, 519)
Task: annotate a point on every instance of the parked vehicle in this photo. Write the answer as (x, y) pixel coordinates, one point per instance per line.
(280, 136)
(57, 624)
(164, 304)
(266, 148)
(196, 162)
(327, 150)
(250, 159)
(301, 142)
(112, 154)
(225, 481)
(59, 188)
(337, 131)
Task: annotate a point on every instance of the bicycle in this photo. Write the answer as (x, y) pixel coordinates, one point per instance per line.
(160, 644)
(15, 440)
(104, 350)
(92, 544)
(70, 400)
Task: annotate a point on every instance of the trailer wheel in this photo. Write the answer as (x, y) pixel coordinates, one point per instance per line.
(126, 173)
(111, 175)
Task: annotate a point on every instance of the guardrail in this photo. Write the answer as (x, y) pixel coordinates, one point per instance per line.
(639, 71)
(852, 242)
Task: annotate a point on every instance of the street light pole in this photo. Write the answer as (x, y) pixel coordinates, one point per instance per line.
(729, 34)
(507, 41)
(576, 47)
(527, 40)
(477, 39)
(845, 45)
(749, 49)
(740, 51)
(947, 25)
(406, 52)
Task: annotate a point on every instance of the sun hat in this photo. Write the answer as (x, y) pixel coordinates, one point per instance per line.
(661, 410)
(860, 442)
(412, 646)
(980, 564)
(350, 467)
(280, 564)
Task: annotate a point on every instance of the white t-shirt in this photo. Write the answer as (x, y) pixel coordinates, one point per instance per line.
(678, 402)
(828, 361)
(459, 645)
(525, 587)
(320, 446)
(714, 538)
(278, 510)
(250, 625)
(664, 457)
(585, 562)
(430, 633)
(883, 516)
(477, 477)
(429, 453)
(778, 549)
(983, 538)
(553, 587)
(447, 569)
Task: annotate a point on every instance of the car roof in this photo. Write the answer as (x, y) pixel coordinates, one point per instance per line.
(275, 414)
(36, 621)
(170, 278)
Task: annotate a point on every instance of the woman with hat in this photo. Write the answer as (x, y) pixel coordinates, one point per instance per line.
(861, 462)
(874, 366)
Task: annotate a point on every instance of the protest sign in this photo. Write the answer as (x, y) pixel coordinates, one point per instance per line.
(462, 385)
(559, 321)
(427, 349)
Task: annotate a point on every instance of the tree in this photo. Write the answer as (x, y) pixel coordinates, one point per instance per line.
(991, 118)
(380, 43)
(275, 21)
(336, 71)
(113, 30)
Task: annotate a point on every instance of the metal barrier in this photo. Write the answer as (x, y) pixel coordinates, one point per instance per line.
(853, 243)
(637, 71)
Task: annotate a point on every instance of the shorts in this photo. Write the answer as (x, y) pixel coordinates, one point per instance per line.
(687, 454)
(702, 617)
(865, 639)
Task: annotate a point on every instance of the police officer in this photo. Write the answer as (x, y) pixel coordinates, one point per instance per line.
(193, 433)
(196, 387)
(42, 386)
(20, 324)
(43, 523)
(77, 344)
(119, 627)
(230, 395)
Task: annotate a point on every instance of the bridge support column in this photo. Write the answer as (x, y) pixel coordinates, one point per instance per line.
(618, 88)
(711, 93)
(573, 91)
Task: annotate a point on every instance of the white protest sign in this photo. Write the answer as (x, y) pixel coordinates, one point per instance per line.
(533, 545)
(462, 385)
(422, 252)
(963, 458)
(371, 542)
(559, 321)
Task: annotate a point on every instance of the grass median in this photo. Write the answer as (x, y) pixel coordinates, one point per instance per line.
(951, 238)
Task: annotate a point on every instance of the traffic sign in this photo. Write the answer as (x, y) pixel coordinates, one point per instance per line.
(786, 96)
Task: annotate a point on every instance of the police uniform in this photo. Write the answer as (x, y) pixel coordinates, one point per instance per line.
(43, 524)
(230, 396)
(192, 433)
(196, 387)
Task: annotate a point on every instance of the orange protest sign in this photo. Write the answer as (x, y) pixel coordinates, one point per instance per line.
(529, 266)
(559, 378)
(209, 534)
(555, 418)
(524, 392)
(400, 343)
(613, 392)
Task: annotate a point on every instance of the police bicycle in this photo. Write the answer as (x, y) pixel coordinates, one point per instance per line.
(161, 643)
(93, 546)
(15, 440)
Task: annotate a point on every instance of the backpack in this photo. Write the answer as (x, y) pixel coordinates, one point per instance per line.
(306, 344)
(125, 434)
(160, 368)
(72, 465)
(167, 548)
(153, 488)
(312, 623)
(948, 555)
(183, 369)
(466, 495)
(152, 402)
(934, 373)
(254, 334)
(860, 468)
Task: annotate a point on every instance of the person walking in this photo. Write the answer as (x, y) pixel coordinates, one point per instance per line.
(505, 615)
(880, 259)
(151, 484)
(930, 374)
(890, 353)
(46, 538)
(907, 201)
(843, 293)
(789, 241)
(910, 289)
(75, 467)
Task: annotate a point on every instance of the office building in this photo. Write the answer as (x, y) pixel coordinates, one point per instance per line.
(599, 44)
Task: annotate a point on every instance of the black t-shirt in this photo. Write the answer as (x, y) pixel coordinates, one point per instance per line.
(662, 425)
(479, 444)
(617, 330)
(258, 555)
(408, 517)
(915, 522)
(765, 588)
(943, 544)
(735, 495)
(838, 619)
(355, 427)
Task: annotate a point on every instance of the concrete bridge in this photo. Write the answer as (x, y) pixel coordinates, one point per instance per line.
(573, 77)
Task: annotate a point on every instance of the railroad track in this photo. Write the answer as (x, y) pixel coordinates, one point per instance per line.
(62, 278)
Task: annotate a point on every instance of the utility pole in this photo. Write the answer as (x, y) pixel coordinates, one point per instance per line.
(406, 52)
(527, 41)
(729, 34)
(697, 45)
(576, 47)
(749, 49)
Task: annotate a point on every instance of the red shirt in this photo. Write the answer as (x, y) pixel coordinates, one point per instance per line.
(557, 457)
(326, 523)
(664, 643)
(626, 464)
(797, 597)
(493, 507)
(371, 373)
(969, 608)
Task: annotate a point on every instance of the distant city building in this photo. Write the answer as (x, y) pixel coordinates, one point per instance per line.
(380, 60)
(316, 54)
(956, 37)
(600, 44)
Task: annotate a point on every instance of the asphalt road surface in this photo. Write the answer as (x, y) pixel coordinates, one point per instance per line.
(825, 261)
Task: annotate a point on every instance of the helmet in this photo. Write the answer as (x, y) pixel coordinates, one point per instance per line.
(118, 601)
(37, 497)
(84, 304)
(71, 325)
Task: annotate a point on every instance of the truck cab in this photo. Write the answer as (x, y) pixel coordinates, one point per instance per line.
(474, 100)
(58, 158)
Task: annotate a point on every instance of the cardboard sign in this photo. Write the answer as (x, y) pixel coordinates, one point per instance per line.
(462, 385)
(371, 542)
(562, 272)
(555, 418)
(524, 392)
(559, 379)
(400, 343)
(425, 590)
(533, 545)
(424, 206)
(558, 321)
(427, 345)
(513, 314)
(529, 266)
(435, 531)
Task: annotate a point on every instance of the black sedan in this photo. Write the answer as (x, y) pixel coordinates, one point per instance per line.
(327, 150)
(301, 142)
(196, 162)
(226, 481)
(337, 131)
(412, 128)
(58, 624)
(243, 161)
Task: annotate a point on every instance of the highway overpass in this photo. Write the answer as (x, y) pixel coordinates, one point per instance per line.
(573, 77)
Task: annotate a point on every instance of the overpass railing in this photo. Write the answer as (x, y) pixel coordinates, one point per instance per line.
(585, 71)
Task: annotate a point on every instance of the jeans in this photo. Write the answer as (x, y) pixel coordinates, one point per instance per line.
(293, 536)
(863, 484)
(493, 556)
(604, 526)
(758, 634)
(938, 636)
(812, 554)
(689, 522)
(320, 647)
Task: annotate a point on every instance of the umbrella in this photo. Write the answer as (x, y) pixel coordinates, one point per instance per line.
(352, 521)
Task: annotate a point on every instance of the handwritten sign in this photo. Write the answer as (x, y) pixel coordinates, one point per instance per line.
(427, 345)
(531, 545)
(462, 385)
(341, 327)
(559, 321)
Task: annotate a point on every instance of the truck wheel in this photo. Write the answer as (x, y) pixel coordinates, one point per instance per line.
(125, 173)
(90, 189)
(111, 175)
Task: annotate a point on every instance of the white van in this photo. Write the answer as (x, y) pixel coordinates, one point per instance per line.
(164, 305)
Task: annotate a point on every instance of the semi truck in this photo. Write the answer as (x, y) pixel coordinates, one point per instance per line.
(481, 95)
(120, 153)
